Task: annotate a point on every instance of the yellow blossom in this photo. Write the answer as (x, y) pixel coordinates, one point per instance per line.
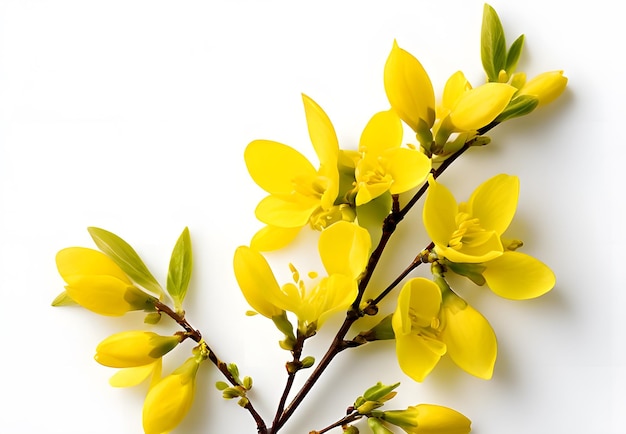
(415, 324)
(469, 338)
(169, 400)
(384, 165)
(297, 191)
(471, 232)
(428, 419)
(546, 87)
(95, 282)
(344, 250)
(409, 89)
(134, 348)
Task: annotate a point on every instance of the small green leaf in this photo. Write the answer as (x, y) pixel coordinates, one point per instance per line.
(519, 106)
(492, 44)
(179, 272)
(63, 300)
(473, 272)
(126, 258)
(514, 54)
(370, 216)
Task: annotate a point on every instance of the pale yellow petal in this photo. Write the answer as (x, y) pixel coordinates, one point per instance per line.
(494, 202)
(321, 132)
(518, 276)
(344, 248)
(479, 106)
(256, 281)
(291, 211)
(409, 89)
(440, 210)
(129, 377)
(276, 167)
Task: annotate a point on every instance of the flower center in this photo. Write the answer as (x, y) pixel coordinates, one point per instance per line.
(468, 231)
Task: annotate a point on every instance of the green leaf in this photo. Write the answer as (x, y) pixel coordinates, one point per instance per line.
(492, 44)
(519, 106)
(126, 258)
(473, 272)
(514, 54)
(179, 272)
(63, 300)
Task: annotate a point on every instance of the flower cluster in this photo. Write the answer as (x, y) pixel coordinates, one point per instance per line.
(355, 196)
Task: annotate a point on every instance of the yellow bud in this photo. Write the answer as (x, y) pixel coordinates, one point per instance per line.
(134, 348)
(546, 86)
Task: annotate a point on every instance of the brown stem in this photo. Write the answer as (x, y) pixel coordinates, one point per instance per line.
(223, 367)
(297, 353)
(341, 422)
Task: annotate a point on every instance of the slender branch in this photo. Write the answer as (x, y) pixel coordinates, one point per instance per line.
(297, 353)
(341, 422)
(223, 367)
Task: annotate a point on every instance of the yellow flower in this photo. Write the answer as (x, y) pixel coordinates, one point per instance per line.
(415, 324)
(134, 348)
(95, 282)
(469, 338)
(344, 250)
(428, 419)
(297, 191)
(470, 232)
(546, 87)
(384, 165)
(409, 89)
(470, 109)
(169, 400)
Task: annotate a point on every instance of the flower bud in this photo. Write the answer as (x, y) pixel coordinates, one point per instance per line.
(431, 419)
(168, 402)
(134, 348)
(546, 87)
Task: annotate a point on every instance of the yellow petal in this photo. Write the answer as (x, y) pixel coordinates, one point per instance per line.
(291, 211)
(273, 238)
(256, 281)
(425, 300)
(440, 210)
(409, 89)
(470, 340)
(479, 106)
(324, 140)
(382, 132)
(518, 276)
(407, 167)
(276, 167)
(344, 248)
(129, 377)
(546, 87)
(415, 357)
(106, 295)
(494, 202)
(455, 88)
(75, 262)
(332, 295)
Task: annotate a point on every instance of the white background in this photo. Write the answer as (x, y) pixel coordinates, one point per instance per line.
(133, 116)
